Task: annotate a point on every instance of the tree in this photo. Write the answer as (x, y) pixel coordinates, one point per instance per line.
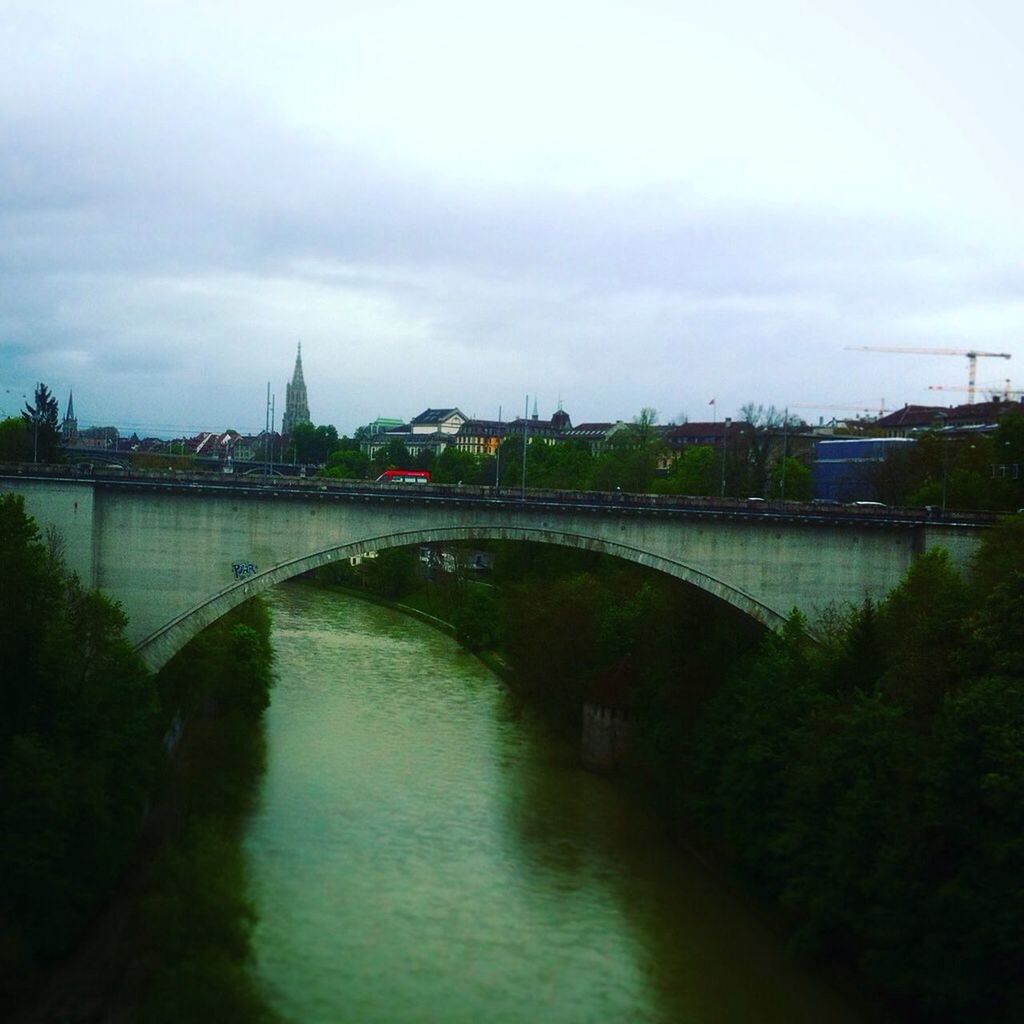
(697, 471)
(313, 445)
(562, 466)
(347, 463)
(41, 420)
(790, 479)
(452, 466)
(768, 417)
(78, 748)
(630, 461)
(394, 455)
(15, 440)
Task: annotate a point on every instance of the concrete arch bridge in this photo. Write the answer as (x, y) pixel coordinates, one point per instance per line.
(178, 552)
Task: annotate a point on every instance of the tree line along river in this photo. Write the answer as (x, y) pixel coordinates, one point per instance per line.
(423, 850)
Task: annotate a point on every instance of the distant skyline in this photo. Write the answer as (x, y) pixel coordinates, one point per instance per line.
(621, 205)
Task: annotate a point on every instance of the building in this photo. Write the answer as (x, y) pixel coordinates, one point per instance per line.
(296, 402)
(431, 431)
(443, 421)
(913, 419)
(843, 470)
(379, 426)
(596, 435)
(481, 437)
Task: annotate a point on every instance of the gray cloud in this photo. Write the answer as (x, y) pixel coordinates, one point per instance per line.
(163, 245)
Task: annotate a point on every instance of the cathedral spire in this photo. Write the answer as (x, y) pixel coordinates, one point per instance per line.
(69, 426)
(296, 403)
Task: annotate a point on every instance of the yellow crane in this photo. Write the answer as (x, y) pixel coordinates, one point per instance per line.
(973, 355)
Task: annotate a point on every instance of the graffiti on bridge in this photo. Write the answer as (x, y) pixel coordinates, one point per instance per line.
(243, 570)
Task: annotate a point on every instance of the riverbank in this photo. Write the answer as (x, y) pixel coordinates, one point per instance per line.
(172, 942)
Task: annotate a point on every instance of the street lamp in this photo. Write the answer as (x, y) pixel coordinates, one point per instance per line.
(526, 425)
(725, 444)
(945, 460)
(35, 427)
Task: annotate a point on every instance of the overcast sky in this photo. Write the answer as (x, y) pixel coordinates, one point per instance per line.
(462, 203)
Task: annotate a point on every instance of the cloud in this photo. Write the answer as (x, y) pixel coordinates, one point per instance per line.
(167, 236)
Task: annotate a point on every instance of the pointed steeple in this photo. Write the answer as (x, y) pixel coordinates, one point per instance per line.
(534, 413)
(69, 425)
(296, 403)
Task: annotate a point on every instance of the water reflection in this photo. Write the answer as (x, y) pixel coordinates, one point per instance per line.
(425, 852)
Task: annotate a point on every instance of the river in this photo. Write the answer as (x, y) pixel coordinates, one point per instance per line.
(424, 851)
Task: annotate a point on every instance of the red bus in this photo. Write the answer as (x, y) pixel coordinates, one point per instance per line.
(404, 476)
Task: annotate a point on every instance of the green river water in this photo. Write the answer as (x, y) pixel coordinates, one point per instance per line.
(425, 852)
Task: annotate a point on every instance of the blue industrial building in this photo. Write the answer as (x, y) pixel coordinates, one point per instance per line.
(843, 469)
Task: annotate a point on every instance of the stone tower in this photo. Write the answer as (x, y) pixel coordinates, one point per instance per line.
(296, 404)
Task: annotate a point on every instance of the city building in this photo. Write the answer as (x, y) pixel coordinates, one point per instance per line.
(913, 419)
(481, 437)
(843, 470)
(444, 421)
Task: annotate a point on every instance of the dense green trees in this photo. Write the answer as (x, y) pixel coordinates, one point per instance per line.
(311, 445)
(874, 782)
(196, 917)
(15, 441)
(79, 741)
(81, 761)
(697, 471)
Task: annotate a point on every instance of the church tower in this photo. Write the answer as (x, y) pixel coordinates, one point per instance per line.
(69, 427)
(296, 404)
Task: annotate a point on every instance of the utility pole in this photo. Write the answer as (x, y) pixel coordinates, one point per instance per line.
(725, 445)
(785, 446)
(273, 401)
(526, 425)
(497, 455)
(266, 436)
(35, 425)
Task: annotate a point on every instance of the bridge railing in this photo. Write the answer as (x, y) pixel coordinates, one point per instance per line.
(654, 503)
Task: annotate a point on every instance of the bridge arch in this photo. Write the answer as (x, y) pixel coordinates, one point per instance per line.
(161, 645)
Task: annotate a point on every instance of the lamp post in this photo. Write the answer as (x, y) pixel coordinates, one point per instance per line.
(945, 460)
(785, 450)
(497, 453)
(35, 427)
(526, 427)
(725, 444)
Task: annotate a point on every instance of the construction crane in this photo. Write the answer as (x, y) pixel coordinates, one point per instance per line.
(997, 391)
(880, 411)
(972, 358)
